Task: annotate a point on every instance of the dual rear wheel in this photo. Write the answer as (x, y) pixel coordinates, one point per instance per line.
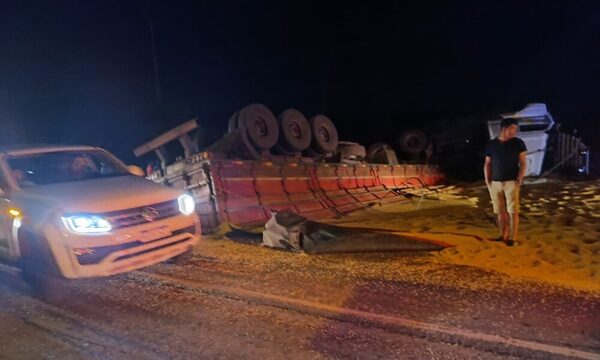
(289, 133)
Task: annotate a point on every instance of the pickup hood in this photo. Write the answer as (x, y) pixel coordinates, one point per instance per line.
(98, 195)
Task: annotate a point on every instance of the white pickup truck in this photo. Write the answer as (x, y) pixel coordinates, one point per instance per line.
(78, 211)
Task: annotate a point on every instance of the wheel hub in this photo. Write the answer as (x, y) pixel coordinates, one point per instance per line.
(295, 130)
(261, 126)
(324, 134)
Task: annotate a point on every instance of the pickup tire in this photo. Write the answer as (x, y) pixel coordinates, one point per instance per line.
(182, 258)
(38, 267)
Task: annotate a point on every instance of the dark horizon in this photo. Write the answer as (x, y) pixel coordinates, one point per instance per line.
(84, 72)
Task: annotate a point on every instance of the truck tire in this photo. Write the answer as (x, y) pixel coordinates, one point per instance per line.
(294, 131)
(38, 267)
(260, 125)
(324, 134)
(413, 141)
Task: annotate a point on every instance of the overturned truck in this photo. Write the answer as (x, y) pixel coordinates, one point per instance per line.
(264, 164)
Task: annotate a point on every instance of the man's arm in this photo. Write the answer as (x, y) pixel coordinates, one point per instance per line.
(487, 170)
(522, 166)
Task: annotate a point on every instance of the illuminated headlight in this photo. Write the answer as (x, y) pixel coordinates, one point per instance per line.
(187, 205)
(87, 224)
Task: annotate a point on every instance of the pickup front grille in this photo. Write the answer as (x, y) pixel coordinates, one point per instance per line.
(95, 255)
(141, 215)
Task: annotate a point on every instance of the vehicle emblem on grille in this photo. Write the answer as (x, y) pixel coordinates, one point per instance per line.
(149, 214)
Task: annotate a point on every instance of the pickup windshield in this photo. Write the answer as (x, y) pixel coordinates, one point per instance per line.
(63, 166)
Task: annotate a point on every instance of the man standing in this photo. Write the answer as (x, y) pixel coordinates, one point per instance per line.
(504, 169)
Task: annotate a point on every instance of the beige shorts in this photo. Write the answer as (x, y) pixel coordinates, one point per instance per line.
(505, 196)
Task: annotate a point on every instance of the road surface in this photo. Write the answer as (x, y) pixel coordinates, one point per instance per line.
(220, 306)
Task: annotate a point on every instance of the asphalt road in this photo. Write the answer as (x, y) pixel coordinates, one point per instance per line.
(218, 309)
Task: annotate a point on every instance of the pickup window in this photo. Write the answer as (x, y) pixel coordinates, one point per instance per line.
(62, 166)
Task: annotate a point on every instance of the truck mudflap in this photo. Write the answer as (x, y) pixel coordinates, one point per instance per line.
(290, 231)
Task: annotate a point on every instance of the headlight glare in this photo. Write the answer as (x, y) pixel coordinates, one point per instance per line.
(187, 204)
(87, 224)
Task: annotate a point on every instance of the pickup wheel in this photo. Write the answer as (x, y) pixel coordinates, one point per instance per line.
(182, 258)
(38, 268)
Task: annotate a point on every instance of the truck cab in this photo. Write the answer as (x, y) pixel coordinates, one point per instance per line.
(78, 211)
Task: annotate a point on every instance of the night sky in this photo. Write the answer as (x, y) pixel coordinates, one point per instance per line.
(83, 72)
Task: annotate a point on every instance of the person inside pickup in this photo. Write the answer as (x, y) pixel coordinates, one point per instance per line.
(81, 167)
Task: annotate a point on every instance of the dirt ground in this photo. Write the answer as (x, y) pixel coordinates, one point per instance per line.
(559, 240)
(235, 299)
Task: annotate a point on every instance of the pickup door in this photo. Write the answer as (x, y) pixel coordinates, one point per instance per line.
(7, 221)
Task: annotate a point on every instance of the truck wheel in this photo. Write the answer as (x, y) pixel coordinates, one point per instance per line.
(324, 134)
(412, 141)
(260, 125)
(294, 131)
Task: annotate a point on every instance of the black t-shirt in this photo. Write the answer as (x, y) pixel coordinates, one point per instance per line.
(505, 158)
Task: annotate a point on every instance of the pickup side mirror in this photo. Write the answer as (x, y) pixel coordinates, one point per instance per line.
(135, 170)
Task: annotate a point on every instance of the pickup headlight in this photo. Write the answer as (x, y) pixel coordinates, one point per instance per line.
(87, 224)
(187, 204)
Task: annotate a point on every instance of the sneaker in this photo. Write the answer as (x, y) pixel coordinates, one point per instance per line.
(499, 238)
(509, 242)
